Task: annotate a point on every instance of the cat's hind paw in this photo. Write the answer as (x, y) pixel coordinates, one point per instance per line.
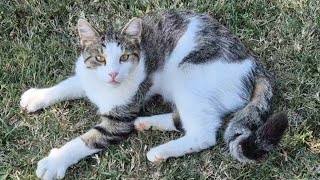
(141, 124)
(155, 155)
(51, 167)
(35, 99)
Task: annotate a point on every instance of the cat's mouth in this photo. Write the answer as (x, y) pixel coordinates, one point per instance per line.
(114, 82)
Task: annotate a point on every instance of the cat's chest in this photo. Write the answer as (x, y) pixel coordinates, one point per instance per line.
(105, 101)
(105, 98)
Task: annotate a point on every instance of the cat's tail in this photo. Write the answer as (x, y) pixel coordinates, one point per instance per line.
(251, 133)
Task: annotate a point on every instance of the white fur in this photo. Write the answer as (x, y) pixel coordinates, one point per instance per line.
(55, 165)
(163, 122)
(35, 99)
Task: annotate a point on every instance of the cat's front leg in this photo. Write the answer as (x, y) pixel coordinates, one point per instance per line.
(35, 99)
(107, 133)
(55, 165)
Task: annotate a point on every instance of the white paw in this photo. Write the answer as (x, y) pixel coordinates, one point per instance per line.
(52, 167)
(141, 124)
(156, 155)
(35, 99)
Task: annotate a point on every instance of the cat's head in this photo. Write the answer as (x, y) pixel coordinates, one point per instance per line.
(114, 56)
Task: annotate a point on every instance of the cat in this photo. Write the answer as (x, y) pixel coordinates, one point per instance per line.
(189, 59)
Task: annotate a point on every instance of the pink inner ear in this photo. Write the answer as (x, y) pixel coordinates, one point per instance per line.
(86, 31)
(133, 28)
(86, 34)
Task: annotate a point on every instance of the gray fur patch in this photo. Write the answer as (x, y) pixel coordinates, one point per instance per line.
(214, 41)
(176, 120)
(160, 34)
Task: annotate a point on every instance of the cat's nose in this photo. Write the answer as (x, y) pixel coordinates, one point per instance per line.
(113, 75)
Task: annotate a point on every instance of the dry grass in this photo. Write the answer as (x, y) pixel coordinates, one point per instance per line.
(38, 48)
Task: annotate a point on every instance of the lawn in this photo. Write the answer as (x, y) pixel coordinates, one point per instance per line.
(39, 45)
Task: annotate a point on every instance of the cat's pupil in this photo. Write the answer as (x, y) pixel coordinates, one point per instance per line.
(124, 57)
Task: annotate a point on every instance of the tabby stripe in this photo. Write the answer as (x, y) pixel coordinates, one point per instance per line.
(115, 141)
(87, 58)
(99, 145)
(108, 137)
(106, 133)
(177, 124)
(121, 119)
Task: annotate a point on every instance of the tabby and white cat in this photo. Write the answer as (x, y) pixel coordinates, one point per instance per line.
(189, 59)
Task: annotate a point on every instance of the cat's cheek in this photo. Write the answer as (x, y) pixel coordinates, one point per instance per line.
(126, 71)
(102, 74)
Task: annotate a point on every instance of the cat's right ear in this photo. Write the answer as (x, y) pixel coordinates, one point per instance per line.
(87, 33)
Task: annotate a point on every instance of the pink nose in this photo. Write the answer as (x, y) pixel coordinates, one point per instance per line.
(113, 75)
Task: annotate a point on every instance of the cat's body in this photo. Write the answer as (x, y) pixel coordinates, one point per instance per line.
(193, 63)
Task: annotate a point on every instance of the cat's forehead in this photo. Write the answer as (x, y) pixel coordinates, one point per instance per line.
(111, 36)
(123, 42)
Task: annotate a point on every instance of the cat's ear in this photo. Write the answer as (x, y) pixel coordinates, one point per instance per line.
(86, 32)
(133, 28)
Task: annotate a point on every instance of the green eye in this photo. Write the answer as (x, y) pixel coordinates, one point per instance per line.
(100, 59)
(124, 57)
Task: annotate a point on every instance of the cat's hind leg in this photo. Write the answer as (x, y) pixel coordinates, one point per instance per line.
(35, 99)
(162, 122)
(200, 124)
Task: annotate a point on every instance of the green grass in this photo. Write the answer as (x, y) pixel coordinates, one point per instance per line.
(38, 48)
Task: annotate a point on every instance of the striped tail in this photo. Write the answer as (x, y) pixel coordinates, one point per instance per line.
(251, 133)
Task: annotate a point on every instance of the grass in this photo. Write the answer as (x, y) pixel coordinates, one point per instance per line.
(39, 45)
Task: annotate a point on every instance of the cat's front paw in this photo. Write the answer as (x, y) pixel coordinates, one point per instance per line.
(35, 99)
(156, 155)
(52, 167)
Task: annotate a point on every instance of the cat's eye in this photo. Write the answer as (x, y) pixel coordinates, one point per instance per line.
(100, 59)
(124, 57)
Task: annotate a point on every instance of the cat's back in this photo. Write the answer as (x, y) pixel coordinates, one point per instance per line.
(166, 20)
(161, 31)
(188, 50)
(209, 40)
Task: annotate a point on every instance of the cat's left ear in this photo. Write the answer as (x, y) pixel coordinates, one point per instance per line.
(86, 32)
(133, 29)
